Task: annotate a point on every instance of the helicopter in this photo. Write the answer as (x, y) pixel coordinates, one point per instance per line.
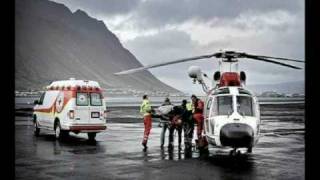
(231, 111)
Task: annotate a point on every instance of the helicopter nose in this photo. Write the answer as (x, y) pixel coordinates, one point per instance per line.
(236, 135)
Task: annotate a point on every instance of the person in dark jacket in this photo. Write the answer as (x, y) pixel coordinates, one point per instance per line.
(188, 124)
(175, 124)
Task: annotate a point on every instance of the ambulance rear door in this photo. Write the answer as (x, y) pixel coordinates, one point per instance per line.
(96, 108)
(82, 109)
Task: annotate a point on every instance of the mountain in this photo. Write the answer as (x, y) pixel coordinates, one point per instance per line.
(52, 43)
(286, 88)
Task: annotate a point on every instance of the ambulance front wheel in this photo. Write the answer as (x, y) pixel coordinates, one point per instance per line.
(92, 136)
(36, 128)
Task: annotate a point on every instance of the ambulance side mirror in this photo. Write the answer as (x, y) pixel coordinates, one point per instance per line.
(36, 102)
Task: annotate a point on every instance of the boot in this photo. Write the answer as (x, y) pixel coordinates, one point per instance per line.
(161, 146)
(188, 146)
(144, 144)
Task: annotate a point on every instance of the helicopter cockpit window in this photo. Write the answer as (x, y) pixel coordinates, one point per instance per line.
(223, 105)
(221, 91)
(245, 106)
(243, 91)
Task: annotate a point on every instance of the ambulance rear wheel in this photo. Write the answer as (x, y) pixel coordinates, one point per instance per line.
(92, 136)
(36, 129)
(59, 133)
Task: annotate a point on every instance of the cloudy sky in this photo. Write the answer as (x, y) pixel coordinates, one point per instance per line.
(162, 30)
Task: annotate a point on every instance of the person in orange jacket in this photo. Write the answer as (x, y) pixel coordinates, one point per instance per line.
(197, 109)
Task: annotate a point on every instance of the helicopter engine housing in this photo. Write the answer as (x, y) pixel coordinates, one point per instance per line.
(216, 78)
(243, 77)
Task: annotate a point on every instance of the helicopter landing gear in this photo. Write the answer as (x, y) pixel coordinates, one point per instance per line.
(238, 153)
(235, 152)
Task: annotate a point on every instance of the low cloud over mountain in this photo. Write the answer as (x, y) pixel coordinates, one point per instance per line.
(52, 43)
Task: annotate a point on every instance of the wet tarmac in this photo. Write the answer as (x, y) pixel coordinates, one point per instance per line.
(118, 154)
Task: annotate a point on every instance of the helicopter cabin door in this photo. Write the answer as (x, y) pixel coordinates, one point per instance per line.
(207, 114)
(257, 113)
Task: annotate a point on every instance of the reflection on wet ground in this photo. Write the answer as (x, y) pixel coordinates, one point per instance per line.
(118, 154)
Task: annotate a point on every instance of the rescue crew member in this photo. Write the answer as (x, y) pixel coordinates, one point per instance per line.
(164, 123)
(198, 114)
(175, 124)
(145, 110)
(188, 124)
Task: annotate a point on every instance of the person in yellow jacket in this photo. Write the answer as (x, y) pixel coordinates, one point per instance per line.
(145, 110)
(189, 106)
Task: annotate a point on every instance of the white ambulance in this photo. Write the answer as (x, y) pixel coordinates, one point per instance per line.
(71, 106)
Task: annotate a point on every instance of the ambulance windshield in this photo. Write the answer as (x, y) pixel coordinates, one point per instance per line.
(223, 105)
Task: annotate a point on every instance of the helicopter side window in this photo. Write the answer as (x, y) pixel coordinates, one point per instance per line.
(223, 105)
(209, 104)
(245, 106)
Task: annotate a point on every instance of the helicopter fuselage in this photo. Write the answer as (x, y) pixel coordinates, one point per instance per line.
(232, 118)
(232, 115)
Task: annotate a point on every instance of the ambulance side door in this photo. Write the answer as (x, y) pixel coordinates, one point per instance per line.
(49, 107)
(45, 106)
(38, 108)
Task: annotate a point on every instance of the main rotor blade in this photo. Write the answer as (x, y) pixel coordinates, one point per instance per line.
(284, 59)
(164, 64)
(270, 61)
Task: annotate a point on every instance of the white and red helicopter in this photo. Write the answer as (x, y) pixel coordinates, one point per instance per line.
(231, 114)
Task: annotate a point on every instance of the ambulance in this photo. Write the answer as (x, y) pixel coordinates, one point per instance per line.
(71, 106)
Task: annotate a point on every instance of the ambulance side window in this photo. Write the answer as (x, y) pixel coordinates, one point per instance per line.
(41, 98)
